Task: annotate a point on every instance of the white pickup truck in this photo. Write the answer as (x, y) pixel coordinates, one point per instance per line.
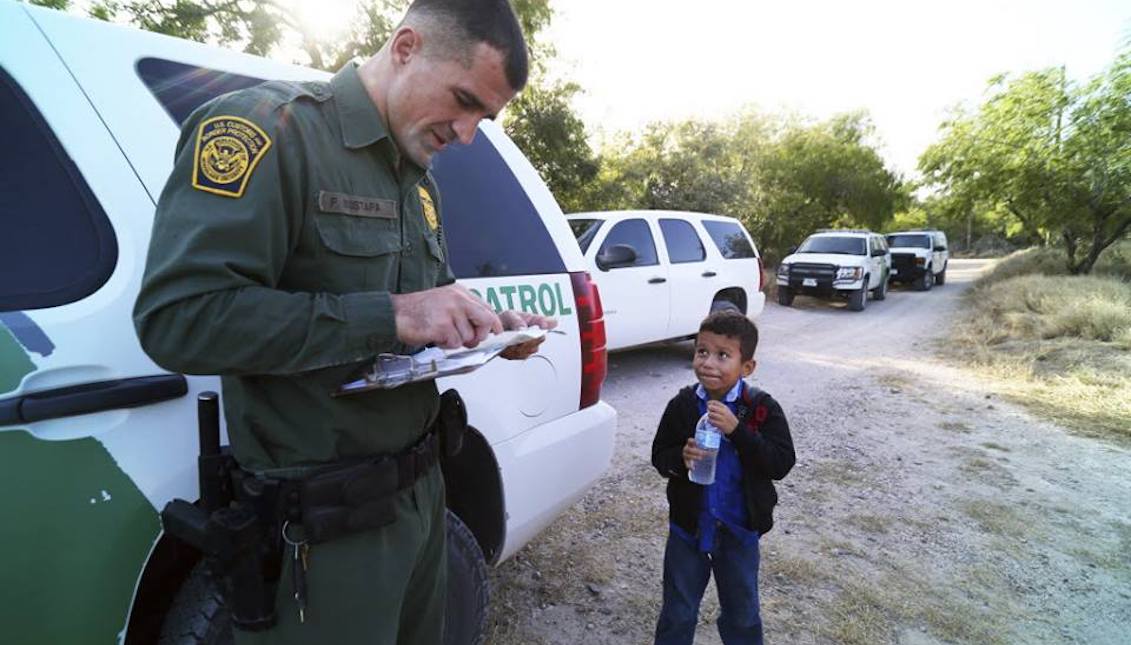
(661, 272)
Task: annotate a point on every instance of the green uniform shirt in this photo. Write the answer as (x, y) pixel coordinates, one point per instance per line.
(278, 238)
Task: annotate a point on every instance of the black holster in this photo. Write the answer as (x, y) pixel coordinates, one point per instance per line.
(451, 423)
(240, 549)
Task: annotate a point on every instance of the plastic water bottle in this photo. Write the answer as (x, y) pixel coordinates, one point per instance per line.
(708, 438)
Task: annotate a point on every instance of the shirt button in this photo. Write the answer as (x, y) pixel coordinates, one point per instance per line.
(408, 248)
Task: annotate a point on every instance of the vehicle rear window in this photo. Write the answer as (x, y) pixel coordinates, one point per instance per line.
(912, 241)
(637, 234)
(181, 88)
(491, 226)
(834, 244)
(585, 230)
(56, 243)
(730, 239)
(682, 241)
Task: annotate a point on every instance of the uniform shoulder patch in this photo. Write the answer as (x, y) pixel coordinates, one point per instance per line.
(227, 150)
(429, 208)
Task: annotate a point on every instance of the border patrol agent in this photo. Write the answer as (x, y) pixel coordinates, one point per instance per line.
(298, 236)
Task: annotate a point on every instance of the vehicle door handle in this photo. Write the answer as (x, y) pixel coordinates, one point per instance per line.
(89, 398)
(709, 274)
(657, 280)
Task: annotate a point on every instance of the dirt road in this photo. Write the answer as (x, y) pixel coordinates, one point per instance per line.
(922, 509)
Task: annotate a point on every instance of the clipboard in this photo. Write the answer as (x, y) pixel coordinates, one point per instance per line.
(394, 370)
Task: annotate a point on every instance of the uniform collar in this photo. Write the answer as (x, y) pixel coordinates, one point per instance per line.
(731, 396)
(362, 123)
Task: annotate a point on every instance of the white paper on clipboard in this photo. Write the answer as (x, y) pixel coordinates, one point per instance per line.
(393, 370)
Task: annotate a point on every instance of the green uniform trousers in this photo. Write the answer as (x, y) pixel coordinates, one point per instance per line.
(382, 587)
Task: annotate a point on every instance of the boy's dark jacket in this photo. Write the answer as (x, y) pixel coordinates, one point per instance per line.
(765, 450)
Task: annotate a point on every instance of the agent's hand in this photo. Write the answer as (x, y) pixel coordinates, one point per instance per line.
(448, 316)
(721, 417)
(521, 320)
(692, 453)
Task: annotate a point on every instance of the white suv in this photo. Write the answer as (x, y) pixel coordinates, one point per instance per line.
(661, 272)
(919, 256)
(95, 438)
(836, 263)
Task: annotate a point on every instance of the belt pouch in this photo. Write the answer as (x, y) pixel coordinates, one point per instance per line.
(347, 500)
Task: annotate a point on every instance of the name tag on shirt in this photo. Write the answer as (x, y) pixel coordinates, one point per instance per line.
(329, 202)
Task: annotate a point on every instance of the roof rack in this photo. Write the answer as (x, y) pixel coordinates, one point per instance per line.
(843, 230)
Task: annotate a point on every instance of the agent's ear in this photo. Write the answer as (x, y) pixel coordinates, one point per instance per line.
(748, 367)
(405, 44)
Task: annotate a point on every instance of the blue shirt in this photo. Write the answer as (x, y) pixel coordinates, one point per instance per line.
(724, 503)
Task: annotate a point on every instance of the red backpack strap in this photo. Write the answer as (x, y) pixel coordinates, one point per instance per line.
(754, 404)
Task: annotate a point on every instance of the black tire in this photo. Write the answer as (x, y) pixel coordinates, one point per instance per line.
(724, 305)
(880, 292)
(785, 296)
(859, 298)
(940, 279)
(465, 617)
(198, 615)
(925, 281)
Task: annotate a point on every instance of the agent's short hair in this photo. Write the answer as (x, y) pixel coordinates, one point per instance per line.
(458, 25)
(733, 324)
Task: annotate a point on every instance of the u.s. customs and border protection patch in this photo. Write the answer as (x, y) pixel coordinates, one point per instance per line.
(429, 208)
(227, 150)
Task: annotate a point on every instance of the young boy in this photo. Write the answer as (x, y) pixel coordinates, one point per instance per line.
(716, 527)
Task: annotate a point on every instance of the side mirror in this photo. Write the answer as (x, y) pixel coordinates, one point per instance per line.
(879, 253)
(791, 250)
(615, 257)
(940, 248)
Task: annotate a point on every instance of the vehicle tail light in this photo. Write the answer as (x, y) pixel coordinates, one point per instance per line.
(761, 274)
(591, 325)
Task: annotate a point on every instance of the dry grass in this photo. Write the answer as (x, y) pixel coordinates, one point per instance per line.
(1058, 344)
(993, 518)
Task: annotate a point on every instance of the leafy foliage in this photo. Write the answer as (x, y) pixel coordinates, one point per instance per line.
(783, 177)
(1053, 155)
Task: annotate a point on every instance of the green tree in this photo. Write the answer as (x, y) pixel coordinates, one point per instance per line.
(782, 177)
(262, 27)
(1053, 154)
(542, 123)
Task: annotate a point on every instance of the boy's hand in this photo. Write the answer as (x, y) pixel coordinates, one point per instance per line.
(692, 453)
(721, 417)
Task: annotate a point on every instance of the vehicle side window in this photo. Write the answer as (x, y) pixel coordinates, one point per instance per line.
(56, 243)
(585, 230)
(490, 225)
(730, 239)
(635, 233)
(682, 241)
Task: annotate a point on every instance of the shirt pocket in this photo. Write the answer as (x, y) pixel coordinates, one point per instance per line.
(358, 253)
(355, 236)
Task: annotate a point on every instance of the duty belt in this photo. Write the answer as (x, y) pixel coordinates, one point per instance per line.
(341, 498)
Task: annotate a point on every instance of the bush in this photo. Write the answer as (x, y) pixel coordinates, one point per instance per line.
(1115, 262)
(1045, 307)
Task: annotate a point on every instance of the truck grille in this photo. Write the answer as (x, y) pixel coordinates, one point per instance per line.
(823, 273)
(903, 262)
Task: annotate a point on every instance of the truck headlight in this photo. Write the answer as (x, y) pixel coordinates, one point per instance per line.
(920, 261)
(783, 270)
(849, 274)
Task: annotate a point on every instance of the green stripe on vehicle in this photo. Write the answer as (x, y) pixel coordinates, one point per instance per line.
(76, 532)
